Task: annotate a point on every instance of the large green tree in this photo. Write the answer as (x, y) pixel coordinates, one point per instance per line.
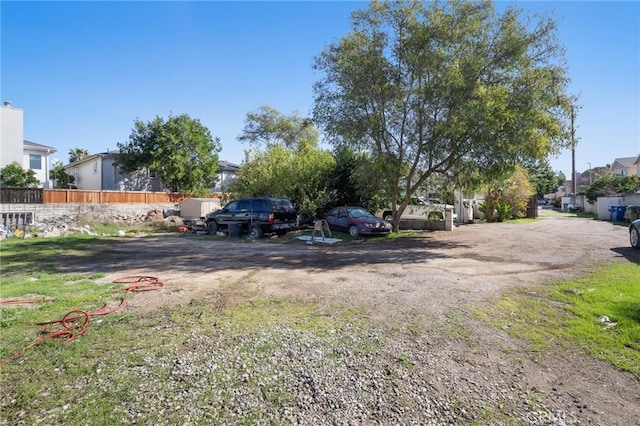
(449, 91)
(542, 177)
(179, 150)
(356, 181)
(14, 175)
(269, 127)
(284, 161)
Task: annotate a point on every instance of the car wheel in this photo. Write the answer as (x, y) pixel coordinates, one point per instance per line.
(634, 237)
(353, 231)
(212, 227)
(255, 232)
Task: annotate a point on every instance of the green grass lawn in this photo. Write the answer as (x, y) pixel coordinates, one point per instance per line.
(571, 312)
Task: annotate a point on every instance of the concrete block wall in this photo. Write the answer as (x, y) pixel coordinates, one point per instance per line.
(85, 212)
(631, 199)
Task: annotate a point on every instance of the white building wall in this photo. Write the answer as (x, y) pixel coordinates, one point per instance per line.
(87, 174)
(42, 172)
(11, 135)
(603, 206)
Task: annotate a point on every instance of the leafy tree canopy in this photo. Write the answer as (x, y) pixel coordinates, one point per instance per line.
(356, 181)
(301, 176)
(542, 177)
(77, 154)
(508, 198)
(268, 127)
(60, 177)
(14, 175)
(285, 162)
(612, 185)
(445, 90)
(180, 150)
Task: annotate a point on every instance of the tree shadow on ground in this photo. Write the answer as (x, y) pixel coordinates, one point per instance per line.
(188, 253)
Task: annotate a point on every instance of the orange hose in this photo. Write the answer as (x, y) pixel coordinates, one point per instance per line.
(24, 301)
(75, 322)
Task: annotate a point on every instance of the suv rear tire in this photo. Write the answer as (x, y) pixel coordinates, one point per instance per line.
(255, 232)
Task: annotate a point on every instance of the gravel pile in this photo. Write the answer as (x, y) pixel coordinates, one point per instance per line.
(281, 375)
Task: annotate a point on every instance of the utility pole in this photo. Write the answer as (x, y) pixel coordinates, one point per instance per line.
(590, 180)
(573, 156)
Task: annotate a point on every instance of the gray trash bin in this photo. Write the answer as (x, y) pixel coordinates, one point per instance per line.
(235, 230)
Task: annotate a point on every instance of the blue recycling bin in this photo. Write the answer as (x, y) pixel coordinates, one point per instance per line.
(617, 213)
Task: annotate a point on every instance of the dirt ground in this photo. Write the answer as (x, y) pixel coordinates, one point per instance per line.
(425, 278)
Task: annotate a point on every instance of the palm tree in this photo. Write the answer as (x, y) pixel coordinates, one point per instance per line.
(76, 154)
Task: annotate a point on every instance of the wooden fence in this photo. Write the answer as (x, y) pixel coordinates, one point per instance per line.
(9, 195)
(80, 196)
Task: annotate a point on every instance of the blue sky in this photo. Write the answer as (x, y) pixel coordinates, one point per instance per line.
(84, 71)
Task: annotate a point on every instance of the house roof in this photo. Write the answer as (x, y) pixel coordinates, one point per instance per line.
(223, 165)
(38, 147)
(227, 166)
(91, 157)
(625, 161)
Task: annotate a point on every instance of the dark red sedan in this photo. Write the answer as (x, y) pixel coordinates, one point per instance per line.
(356, 221)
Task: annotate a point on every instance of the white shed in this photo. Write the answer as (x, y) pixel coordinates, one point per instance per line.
(603, 206)
(195, 208)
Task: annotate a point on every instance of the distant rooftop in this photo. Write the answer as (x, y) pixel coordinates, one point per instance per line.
(39, 146)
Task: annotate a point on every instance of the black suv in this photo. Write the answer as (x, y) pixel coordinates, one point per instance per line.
(257, 216)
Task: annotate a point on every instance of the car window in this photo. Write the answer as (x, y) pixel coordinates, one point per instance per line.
(337, 212)
(231, 206)
(261, 206)
(244, 205)
(359, 213)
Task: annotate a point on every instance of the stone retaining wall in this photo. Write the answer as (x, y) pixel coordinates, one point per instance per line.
(87, 212)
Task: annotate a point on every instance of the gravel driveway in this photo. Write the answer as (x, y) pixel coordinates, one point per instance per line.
(430, 279)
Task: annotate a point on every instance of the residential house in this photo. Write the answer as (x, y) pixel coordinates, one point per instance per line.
(226, 175)
(627, 166)
(98, 172)
(14, 148)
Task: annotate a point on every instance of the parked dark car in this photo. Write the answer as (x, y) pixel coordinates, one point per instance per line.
(356, 221)
(634, 234)
(257, 216)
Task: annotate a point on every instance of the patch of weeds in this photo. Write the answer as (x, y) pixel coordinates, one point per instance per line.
(104, 228)
(599, 314)
(453, 328)
(404, 361)
(296, 315)
(520, 220)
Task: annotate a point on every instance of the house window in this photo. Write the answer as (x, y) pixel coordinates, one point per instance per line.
(95, 167)
(35, 161)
